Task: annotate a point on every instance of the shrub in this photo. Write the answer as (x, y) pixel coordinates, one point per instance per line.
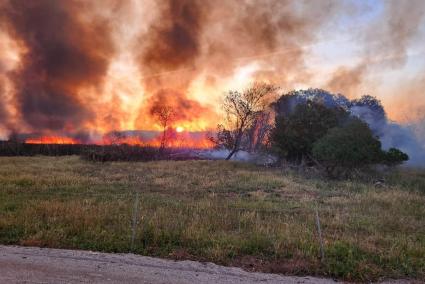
(124, 152)
(352, 146)
(294, 135)
(394, 157)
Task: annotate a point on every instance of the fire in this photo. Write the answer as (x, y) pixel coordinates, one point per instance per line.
(129, 140)
(174, 138)
(51, 140)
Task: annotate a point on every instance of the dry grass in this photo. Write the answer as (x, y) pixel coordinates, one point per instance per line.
(229, 213)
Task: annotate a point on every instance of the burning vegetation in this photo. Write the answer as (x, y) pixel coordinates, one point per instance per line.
(51, 140)
(73, 72)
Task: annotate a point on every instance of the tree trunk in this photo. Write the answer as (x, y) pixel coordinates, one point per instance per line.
(231, 154)
(235, 146)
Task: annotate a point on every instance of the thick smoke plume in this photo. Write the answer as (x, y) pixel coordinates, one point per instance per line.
(83, 68)
(196, 40)
(62, 53)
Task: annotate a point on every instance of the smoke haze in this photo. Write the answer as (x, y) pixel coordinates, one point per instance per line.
(86, 68)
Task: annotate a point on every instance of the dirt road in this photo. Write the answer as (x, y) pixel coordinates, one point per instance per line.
(42, 265)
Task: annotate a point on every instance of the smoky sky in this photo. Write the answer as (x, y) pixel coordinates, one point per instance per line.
(66, 50)
(192, 37)
(384, 42)
(62, 54)
(174, 40)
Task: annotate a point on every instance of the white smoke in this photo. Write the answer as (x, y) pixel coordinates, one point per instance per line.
(408, 138)
(242, 156)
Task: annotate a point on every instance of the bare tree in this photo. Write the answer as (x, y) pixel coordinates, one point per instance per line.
(164, 114)
(242, 110)
(258, 134)
(114, 138)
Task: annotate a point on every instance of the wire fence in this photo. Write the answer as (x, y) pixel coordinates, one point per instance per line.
(141, 209)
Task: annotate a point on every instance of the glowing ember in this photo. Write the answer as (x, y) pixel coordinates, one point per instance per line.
(51, 140)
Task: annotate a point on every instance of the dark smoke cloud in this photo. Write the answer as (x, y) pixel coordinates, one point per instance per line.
(173, 41)
(63, 53)
(192, 37)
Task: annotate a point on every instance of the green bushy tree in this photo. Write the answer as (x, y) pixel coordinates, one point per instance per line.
(350, 146)
(353, 146)
(294, 135)
(394, 157)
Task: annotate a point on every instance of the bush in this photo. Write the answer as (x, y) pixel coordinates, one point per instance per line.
(13, 148)
(394, 157)
(124, 152)
(352, 146)
(294, 135)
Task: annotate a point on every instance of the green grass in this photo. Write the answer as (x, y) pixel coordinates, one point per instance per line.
(226, 212)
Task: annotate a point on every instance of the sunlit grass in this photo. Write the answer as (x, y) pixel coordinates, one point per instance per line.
(226, 212)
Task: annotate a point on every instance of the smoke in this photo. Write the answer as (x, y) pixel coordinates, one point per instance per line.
(183, 109)
(385, 45)
(171, 44)
(408, 138)
(390, 36)
(62, 53)
(94, 66)
(347, 80)
(194, 41)
(393, 135)
(174, 41)
(63, 81)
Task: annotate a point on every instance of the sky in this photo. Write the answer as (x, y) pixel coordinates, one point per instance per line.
(89, 67)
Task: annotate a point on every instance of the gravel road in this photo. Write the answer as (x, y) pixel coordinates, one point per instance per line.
(43, 265)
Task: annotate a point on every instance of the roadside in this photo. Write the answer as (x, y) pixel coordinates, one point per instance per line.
(44, 265)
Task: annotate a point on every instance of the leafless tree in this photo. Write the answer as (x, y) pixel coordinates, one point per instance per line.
(258, 134)
(115, 138)
(242, 110)
(164, 114)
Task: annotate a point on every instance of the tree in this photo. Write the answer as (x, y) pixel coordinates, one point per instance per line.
(242, 110)
(347, 147)
(258, 135)
(394, 157)
(294, 134)
(164, 114)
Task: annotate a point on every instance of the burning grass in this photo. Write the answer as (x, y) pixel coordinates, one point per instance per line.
(225, 212)
(100, 153)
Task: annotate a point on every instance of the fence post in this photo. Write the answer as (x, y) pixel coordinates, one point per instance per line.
(134, 221)
(319, 232)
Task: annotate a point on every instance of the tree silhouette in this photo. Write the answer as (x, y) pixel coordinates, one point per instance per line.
(164, 114)
(242, 110)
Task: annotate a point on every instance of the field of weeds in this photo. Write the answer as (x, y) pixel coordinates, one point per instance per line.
(225, 212)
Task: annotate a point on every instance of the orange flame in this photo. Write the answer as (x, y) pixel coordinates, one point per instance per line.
(129, 140)
(51, 140)
(174, 138)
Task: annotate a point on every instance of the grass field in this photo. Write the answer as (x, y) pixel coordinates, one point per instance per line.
(225, 212)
